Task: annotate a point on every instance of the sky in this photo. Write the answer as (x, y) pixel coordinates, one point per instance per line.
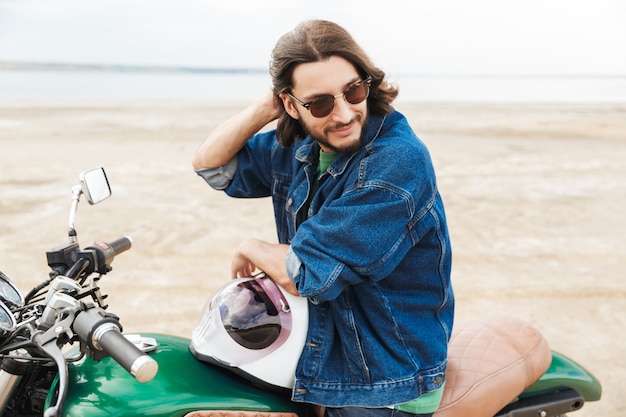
(440, 37)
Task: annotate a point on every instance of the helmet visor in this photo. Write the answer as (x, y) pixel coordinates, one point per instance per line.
(254, 313)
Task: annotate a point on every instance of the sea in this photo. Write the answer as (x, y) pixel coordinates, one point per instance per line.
(242, 86)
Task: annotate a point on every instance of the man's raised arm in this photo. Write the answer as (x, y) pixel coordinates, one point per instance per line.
(230, 136)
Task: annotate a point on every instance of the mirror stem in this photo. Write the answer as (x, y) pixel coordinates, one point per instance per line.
(76, 193)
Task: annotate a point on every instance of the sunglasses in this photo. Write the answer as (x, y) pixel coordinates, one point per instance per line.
(322, 106)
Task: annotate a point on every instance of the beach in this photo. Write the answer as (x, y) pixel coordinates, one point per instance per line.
(535, 196)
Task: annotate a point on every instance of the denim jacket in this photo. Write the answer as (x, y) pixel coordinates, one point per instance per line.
(373, 259)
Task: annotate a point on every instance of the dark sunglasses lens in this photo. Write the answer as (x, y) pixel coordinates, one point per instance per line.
(357, 93)
(322, 106)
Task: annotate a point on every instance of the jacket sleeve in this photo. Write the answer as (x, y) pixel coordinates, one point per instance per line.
(372, 238)
(249, 173)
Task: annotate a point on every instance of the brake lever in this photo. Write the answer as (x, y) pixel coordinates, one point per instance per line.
(48, 342)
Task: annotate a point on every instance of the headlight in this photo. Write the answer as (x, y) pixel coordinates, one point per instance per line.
(9, 292)
(7, 321)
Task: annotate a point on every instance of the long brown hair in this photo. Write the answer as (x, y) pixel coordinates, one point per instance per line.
(314, 41)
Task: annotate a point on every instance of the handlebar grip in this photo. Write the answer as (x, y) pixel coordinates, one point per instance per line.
(101, 332)
(121, 245)
(140, 365)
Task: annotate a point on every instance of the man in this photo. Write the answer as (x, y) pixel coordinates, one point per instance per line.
(361, 225)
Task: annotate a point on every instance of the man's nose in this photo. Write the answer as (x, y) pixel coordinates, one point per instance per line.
(342, 112)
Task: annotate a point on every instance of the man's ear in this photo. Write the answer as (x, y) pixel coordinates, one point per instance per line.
(289, 106)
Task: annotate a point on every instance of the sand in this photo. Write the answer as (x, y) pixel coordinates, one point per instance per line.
(535, 197)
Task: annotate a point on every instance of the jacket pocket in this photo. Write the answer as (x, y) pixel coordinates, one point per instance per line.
(352, 345)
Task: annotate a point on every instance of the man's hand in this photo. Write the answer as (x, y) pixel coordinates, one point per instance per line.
(254, 254)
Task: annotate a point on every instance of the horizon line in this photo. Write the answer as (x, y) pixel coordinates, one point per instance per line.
(17, 65)
(13, 65)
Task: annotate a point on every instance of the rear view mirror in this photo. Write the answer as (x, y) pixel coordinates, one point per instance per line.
(95, 185)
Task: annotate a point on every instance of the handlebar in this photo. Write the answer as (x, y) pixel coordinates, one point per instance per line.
(69, 260)
(101, 333)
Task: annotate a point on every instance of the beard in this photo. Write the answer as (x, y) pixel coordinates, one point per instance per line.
(345, 148)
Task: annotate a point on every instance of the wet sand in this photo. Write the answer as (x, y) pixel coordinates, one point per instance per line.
(535, 197)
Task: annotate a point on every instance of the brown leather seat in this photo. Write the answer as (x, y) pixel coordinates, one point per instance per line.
(491, 362)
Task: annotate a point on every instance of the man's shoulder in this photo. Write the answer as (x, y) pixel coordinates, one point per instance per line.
(397, 135)
(397, 147)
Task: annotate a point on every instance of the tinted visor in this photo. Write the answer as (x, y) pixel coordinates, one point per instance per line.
(254, 313)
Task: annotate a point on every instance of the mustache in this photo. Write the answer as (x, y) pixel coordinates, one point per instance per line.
(357, 118)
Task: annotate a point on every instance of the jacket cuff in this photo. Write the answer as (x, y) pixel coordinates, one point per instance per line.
(219, 178)
(293, 265)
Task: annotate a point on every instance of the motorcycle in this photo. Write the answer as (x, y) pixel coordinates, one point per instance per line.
(500, 367)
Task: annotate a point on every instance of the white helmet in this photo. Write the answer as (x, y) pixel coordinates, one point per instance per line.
(254, 327)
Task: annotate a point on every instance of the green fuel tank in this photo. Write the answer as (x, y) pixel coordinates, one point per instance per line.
(183, 384)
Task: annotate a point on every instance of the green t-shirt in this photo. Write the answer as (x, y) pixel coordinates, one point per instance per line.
(326, 158)
(424, 404)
